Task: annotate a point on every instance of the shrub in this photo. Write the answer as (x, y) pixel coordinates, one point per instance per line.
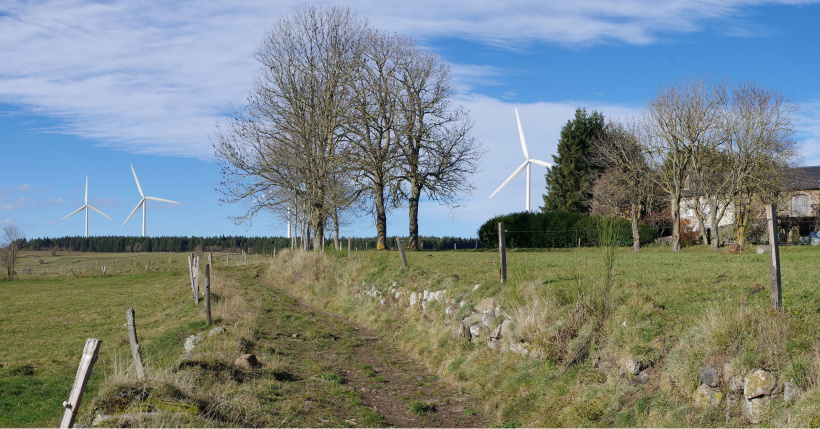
(558, 229)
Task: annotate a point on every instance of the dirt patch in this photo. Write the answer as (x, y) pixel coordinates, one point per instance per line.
(325, 349)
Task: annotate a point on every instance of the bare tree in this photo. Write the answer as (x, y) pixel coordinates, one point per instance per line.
(437, 149)
(10, 246)
(287, 143)
(679, 121)
(627, 186)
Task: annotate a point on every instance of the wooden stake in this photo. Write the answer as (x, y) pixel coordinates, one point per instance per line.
(401, 250)
(208, 293)
(348, 247)
(774, 262)
(136, 351)
(502, 252)
(90, 354)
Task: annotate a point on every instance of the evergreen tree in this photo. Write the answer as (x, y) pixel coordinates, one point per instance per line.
(569, 181)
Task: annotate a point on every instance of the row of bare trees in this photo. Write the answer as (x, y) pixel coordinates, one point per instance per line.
(343, 118)
(727, 144)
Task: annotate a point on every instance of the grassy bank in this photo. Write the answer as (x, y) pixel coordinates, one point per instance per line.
(672, 313)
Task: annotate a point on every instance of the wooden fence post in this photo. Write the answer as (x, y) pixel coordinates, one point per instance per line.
(136, 351)
(348, 247)
(196, 280)
(227, 260)
(401, 250)
(208, 293)
(210, 259)
(90, 354)
(502, 252)
(774, 265)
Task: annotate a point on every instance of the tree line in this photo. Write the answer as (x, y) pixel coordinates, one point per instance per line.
(727, 145)
(344, 120)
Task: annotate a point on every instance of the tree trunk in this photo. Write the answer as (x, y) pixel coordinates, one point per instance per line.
(713, 220)
(676, 224)
(381, 217)
(701, 223)
(413, 202)
(636, 236)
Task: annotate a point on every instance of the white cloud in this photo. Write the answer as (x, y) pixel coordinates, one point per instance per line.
(14, 205)
(808, 132)
(155, 77)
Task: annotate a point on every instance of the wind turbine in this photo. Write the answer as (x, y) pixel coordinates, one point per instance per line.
(143, 202)
(526, 163)
(86, 207)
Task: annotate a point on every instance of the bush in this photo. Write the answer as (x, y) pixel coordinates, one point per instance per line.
(558, 229)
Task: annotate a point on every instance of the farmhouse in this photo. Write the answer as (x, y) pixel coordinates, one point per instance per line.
(798, 208)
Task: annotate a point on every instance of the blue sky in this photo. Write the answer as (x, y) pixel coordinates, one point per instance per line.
(86, 89)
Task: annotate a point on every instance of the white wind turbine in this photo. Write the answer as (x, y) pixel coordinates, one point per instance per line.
(526, 163)
(143, 202)
(86, 207)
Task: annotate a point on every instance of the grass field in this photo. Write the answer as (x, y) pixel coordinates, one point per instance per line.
(675, 312)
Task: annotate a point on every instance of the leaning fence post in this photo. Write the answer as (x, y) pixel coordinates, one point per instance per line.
(774, 265)
(401, 250)
(208, 293)
(502, 253)
(90, 354)
(136, 351)
(348, 247)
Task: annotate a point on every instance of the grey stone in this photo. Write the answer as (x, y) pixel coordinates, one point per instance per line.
(639, 379)
(486, 306)
(492, 344)
(736, 384)
(753, 409)
(759, 383)
(191, 342)
(475, 330)
(414, 298)
(707, 396)
(732, 400)
(762, 249)
(630, 366)
(727, 372)
(709, 376)
(791, 392)
(216, 331)
(247, 361)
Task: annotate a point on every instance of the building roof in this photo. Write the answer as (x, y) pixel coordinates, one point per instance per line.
(803, 178)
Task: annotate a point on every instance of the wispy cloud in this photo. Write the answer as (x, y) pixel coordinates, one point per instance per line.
(14, 205)
(808, 132)
(155, 77)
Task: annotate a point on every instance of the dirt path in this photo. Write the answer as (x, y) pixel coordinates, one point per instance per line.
(356, 364)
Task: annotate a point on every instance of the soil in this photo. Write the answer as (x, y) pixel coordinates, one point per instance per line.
(390, 381)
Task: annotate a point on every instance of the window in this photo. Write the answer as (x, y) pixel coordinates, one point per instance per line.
(801, 205)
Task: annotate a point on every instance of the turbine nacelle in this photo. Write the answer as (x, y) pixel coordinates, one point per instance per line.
(525, 165)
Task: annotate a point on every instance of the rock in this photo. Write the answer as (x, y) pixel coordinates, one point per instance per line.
(519, 348)
(294, 336)
(414, 298)
(449, 310)
(732, 400)
(639, 379)
(709, 376)
(707, 396)
(736, 384)
(191, 342)
(247, 361)
(753, 408)
(462, 304)
(759, 383)
(496, 334)
(475, 330)
(492, 344)
(506, 329)
(630, 367)
(791, 392)
(734, 248)
(216, 331)
(382, 301)
(727, 372)
(486, 306)
(475, 288)
(762, 249)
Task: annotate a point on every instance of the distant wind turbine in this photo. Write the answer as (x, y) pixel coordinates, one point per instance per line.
(86, 207)
(143, 202)
(526, 163)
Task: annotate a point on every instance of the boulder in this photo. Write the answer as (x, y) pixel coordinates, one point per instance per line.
(734, 248)
(791, 392)
(191, 342)
(759, 383)
(414, 299)
(630, 367)
(639, 379)
(753, 408)
(486, 306)
(247, 361)
(708, 375)
(736, 384)
(707, 396)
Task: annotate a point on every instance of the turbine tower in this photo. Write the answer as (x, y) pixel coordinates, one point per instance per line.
(526, 164)
(86, 207)
(143, 202)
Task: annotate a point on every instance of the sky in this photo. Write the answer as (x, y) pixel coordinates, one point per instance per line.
(92, 88)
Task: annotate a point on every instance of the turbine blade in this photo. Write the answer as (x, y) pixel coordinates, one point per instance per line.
(86, 190)
(95, 209)
(516, 173)
(160, 199)
(541, 163)
(74, 212)
(521, 134)
(135, 210)
(138, 181)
